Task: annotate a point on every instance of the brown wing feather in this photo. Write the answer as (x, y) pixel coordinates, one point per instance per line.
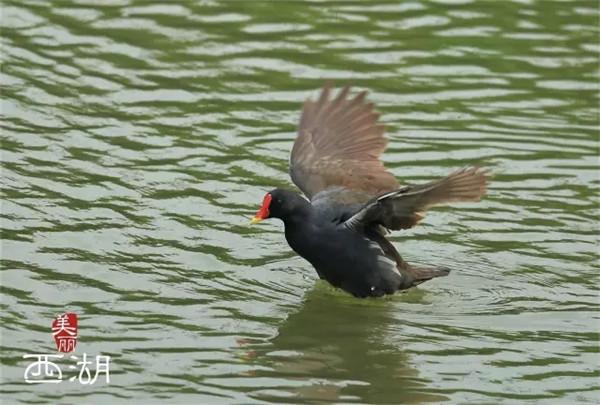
(338, 144)
(405, 207)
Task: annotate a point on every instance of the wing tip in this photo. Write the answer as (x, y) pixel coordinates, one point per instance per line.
(474, 177)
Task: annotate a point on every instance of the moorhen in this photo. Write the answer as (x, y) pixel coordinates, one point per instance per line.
(353, 201)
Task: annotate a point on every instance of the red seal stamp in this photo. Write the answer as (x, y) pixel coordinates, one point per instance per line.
(64, 331)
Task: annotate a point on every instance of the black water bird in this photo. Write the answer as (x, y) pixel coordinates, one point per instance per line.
(352, 201)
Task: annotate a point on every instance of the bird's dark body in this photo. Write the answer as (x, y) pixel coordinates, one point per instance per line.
(360, 261)
(344, 258)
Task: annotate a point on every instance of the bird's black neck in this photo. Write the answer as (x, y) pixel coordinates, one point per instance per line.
(301, 214)
(299, 228)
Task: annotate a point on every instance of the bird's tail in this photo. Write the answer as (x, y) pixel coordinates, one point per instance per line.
(421, 274)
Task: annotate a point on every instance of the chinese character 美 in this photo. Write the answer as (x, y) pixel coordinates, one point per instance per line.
(102, 366)
(50, 369)
(62, 324)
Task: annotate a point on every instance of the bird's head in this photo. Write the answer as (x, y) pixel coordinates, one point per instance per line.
(280, 204)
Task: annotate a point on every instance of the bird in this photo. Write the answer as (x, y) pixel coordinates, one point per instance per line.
(351, 202)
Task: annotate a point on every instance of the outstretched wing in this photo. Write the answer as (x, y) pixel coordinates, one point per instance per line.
(405, 207)
(338, 144)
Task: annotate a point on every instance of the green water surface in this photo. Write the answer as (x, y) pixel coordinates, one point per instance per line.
(138, 138)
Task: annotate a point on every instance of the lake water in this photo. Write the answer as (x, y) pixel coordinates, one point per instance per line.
(138, 139)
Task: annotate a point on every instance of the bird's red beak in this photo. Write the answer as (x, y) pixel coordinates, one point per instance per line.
(263, 212)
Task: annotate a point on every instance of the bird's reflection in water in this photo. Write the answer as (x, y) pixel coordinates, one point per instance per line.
(336, 349)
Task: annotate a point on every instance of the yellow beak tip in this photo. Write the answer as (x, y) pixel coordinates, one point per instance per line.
(255, 220)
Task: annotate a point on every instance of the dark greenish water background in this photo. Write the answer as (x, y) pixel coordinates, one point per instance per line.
(138, 138)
